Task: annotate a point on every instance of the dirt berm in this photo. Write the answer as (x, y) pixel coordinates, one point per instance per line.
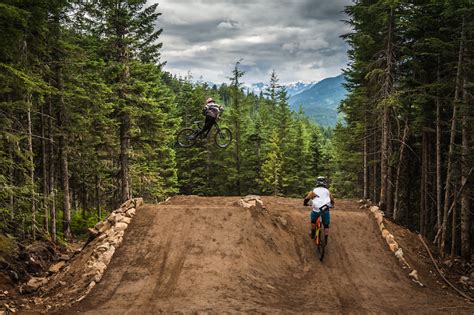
(203, 254)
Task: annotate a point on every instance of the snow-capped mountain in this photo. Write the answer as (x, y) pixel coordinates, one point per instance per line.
(291, 89)
(256, 88)
(298, 87)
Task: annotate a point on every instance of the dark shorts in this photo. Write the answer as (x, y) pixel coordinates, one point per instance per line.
(325, 217)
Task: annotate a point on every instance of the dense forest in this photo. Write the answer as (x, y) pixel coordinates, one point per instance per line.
(408, 138)
(89, 115)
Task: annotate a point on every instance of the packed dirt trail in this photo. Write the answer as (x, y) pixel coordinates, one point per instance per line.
(207, 254)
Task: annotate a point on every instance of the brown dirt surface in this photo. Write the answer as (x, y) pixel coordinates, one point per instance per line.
(206, 254)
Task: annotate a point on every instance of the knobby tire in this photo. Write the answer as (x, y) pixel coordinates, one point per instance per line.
(321, 247)
(183, 137)
(223, 137)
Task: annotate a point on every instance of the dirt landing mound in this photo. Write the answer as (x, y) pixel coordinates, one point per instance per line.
(195, 254)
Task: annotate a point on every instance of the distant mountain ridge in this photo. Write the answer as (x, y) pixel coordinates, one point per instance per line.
(321, 100)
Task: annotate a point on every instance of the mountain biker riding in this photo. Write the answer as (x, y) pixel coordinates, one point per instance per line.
(321, 201)
(212, 111)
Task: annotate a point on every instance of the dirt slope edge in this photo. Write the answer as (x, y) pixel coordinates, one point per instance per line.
(74, 279)
(393, 245)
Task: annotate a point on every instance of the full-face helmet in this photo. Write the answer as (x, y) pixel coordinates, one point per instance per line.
(321, 182)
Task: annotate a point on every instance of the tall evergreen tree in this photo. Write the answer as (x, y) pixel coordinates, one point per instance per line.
(128, 27)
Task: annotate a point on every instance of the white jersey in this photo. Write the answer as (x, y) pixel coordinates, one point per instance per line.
(323, 197)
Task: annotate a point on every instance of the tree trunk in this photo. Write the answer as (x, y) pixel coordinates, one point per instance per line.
(124, 149)
(32, 169)
(389, 196)
(449, 172)
(439, 214)
(466, 166)
(374, 173)
(61, 123)
(51, 184)
(63, 160)
(396, 203)
(123, 59)
(423, 185)
(384, 161)
(366, 171)
(453, 233)
(386, 91)
(63, 157)
(426, 188)
(44, 171)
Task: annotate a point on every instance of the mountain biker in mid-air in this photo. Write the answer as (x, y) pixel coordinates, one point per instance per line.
(321, 201)
(212, 111)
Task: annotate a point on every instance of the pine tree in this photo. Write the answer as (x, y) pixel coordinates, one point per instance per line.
(237, 115)
(130, 36)
(272, 167)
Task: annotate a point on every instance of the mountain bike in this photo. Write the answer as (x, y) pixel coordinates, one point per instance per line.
(319, 239)
(186, 137)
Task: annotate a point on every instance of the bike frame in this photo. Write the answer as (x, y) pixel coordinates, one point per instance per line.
(317, 239)
(199, 126)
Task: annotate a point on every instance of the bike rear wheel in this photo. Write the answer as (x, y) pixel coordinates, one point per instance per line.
(223, 137)
(185, 137)
(321, 246)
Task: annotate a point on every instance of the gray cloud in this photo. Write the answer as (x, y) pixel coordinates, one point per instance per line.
(298, 39)
(323, 10)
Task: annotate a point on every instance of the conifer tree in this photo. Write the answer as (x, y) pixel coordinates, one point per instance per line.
(272, 167)
(130, 36)
(237, 115)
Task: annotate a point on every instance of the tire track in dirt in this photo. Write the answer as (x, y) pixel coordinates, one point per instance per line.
(205, 254)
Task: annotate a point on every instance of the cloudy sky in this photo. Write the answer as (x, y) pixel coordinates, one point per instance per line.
(299, 39)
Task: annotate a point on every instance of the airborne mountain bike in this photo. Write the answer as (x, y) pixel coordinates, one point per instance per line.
(186, 137)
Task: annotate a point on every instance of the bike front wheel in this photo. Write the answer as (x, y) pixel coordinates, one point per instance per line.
(185, 137)
(223, 137)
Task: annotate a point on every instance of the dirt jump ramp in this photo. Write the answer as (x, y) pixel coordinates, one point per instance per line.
(211, 254)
